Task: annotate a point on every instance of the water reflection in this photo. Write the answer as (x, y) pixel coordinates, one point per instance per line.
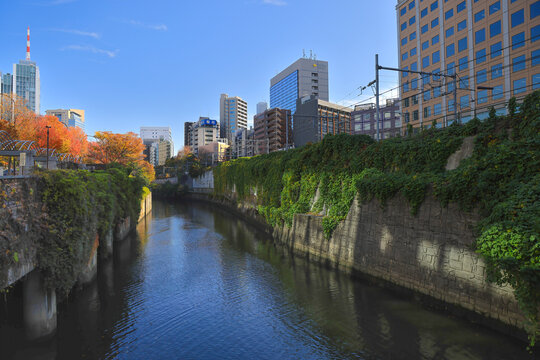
(196, 282)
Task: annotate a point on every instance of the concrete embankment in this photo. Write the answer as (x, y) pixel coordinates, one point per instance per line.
(429, 254)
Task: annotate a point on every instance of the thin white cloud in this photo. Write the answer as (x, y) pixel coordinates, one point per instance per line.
(91, 49)
(158, 27)
(275, 2)
(78, 32)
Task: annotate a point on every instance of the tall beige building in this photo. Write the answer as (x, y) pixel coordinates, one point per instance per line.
(232, 116)
(492, 45)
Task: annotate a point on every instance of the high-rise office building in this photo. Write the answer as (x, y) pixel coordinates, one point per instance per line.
(159, 144)
(6, 83)
(492, 47)
(304, 77)
(26, 81)
(262, 107)
(69, 117)
(232, 115)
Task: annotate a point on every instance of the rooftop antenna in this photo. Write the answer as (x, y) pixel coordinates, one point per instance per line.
(311, 54)
(315, 57)
(304, 53)
(28, 44)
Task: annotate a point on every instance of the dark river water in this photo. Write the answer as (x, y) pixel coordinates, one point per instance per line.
(195, 282)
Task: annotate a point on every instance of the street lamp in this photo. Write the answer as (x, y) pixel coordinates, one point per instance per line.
(48, 127)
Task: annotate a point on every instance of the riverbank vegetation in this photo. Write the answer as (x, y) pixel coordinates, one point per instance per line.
(77, 206)
(501, 180)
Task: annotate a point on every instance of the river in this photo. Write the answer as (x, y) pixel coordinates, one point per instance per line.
(195, 282)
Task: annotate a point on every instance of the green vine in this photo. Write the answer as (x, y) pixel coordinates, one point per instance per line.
(500, 180)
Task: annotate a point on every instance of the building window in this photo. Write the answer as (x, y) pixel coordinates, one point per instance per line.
(425, 45)
(535, 57)
(407, 117)
(518, 40)
(518, 18)
(414, 66)
(434, 22)
(411, 5)
(424, 29)
(415, 115)
(413, 51)
(481, 76)
(464, 101)
(426, 79)
(496, 50)
(536, 81)
(434, 5)
(495, 29)
(520, 86)
(479, 36)
(535, 33)
(464, 82)
(448, 14)
(493, 8)
(450, 50)
(406, 102)
(461, 6)
(403, 11)
(482, 97)
(451, 68)
(404, 56)
(535, 9)
(403, 26)
(450, 86)
(496, 71)
(463, 63)
(427, 111)
(451, 107)
(436, 92)
(462, 44)
(404, 41)
(435, 40)
(423, 13)
(412, 36)
(497, 92)
(518, 63)
(412, 20)
(479, 16)
(427, 95)
(425, 62)
(414, 99)
(449, 32)
(462, 25)
(480, 56)
(435, 57)
(405, 74)
(414, 84)
(437, 109)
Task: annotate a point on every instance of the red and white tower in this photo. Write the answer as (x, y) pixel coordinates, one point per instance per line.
(28, 44)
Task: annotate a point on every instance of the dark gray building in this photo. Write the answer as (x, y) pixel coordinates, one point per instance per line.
(188, 127)
(315, 118)
(363, 118)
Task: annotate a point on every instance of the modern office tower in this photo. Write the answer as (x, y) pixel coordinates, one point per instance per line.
(188, 127)
(232, 115)
(6, 83)
(69, 117)
(26, 82)
(203, 132)
(315, 118)
(262, 107)
(364, 120)
(158, 140)
(492, 46)
(304, 77)
(271, 129)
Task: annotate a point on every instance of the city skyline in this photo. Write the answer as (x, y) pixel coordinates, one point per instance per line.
(94, 63)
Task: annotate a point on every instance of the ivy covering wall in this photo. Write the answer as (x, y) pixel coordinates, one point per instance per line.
(78, 205)
(501, 180)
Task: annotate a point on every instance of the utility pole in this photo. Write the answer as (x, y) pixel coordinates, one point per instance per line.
(48, 127)
(377, 92)
(457, 117)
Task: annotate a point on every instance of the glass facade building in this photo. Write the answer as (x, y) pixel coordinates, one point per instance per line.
(283, 94)
(26, 83)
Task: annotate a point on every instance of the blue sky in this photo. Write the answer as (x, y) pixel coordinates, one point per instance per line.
(132, 63)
